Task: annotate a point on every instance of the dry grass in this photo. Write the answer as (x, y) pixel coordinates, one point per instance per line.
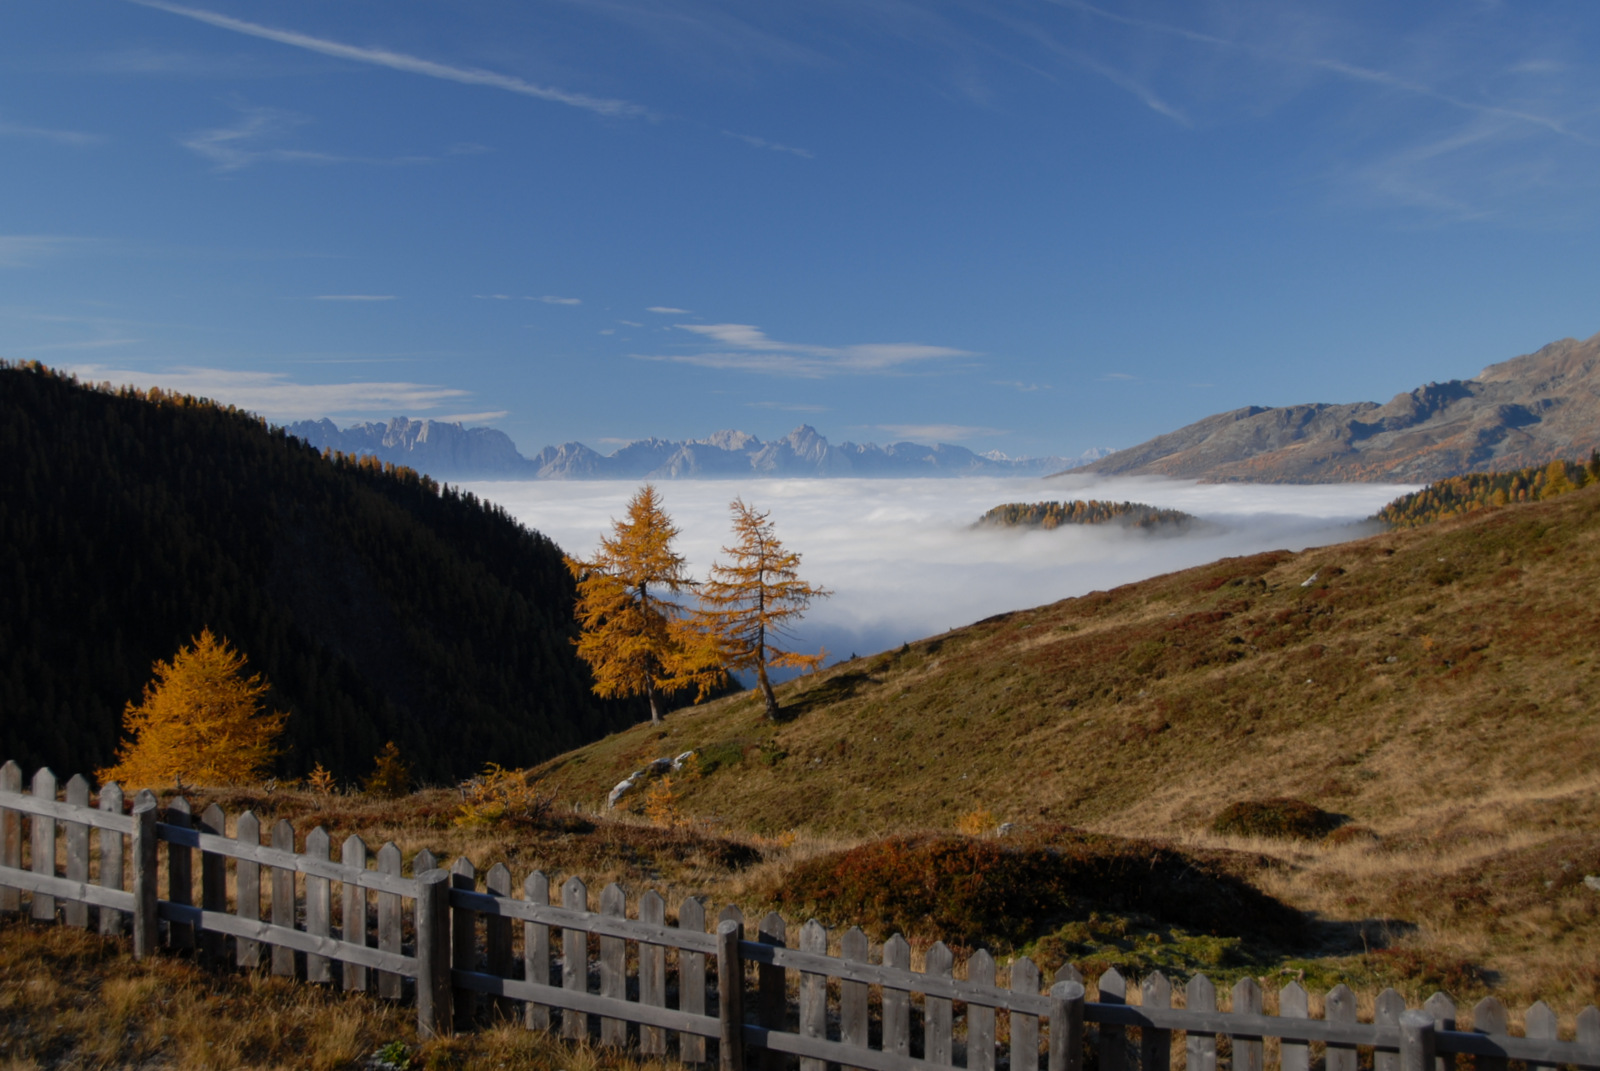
(1436, 686)
(73, 1000)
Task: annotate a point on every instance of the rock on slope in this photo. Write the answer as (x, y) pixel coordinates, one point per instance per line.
(1525, 411)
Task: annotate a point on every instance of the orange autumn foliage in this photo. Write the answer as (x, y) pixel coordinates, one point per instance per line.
(749, 604)
(636, 639)
(201, 721)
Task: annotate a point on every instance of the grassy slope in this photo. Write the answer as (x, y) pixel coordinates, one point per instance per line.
(1437, 685)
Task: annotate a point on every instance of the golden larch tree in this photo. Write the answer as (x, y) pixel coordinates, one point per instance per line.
(201, 721)
(749, 603)
(635, 637)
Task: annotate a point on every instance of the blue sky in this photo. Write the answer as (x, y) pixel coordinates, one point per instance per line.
(1033, 227)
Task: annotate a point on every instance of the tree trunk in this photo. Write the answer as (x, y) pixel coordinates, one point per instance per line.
(766, 690)
(655, 703)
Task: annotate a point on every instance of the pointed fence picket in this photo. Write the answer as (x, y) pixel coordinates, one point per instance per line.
(686, 993)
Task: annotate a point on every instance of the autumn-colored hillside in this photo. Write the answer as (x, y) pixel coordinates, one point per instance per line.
(1434, 689)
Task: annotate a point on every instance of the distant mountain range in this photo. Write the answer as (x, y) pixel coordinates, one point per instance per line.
(451, 451)
(1529, 410)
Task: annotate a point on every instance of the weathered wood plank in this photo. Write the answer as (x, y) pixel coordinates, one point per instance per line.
(143, 851)
(692, 979)
(574, 958)
(433, 952)
(283, 905)
(772, 1004)
(897, 1001)
(497, 930)
(1417, 1041)
(1443, 1010)
(1339, 1006)
(353, 913)
(536, 950)
(294, 940)
(62, 889)
(1200, 1046)
(75, 913)
(614, 966)
(1155, 1044)
(10, 833)
(1024, 1027)
(1294, 1003)
(730, 995)
(938, 1026)
(247, 891)
(319, 904)
(111, 862)
(814, 993)
(953, 988)
(390, 985)
(1388, 1008)
(1113, 1038)
(463, 941)
(1538, 1022)
(1489, 1017)
(605, 925)
(421, 863)
(980, 1019)
(213, 884)
(1249, 1053)
(854, 1012)
(42, 844)
(22, 803)
(652, 973)
(180, 874)
(586, 1003)
(1589, 1028)
(1066, 1026)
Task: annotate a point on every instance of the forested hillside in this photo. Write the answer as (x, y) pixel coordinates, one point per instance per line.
(1456, 496)
(1081, 511)
(380, 605)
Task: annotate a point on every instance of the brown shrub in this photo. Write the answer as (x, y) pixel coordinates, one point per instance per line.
(1280, 817)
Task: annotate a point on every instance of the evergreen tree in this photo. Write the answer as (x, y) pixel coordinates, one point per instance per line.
(748, 604)
(636, 639)
(201, 722)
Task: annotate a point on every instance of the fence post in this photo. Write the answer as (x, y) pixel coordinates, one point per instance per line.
(730, 996)
(44, 845)
(144, 874)
(10, 835)
(75, 912)
(111, 859)
(433, 953)
(1066, 1026)
(1416, 1041)
(180, 875)
(464, 940)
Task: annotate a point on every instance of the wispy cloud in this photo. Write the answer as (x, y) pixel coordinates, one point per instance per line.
(762, 143)
(945, 433)
(354, 297)
(667, 310)
(474, 418)
(746, 348)
(275, 396)
(1115, 377)
(75, 138)
(25, 250)
(400, 61)
(232, 148)
(551, 299)
(1018, 385)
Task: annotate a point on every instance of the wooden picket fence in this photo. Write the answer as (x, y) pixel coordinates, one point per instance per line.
(674, 990)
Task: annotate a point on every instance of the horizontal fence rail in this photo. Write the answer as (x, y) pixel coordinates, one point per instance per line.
(696, 988)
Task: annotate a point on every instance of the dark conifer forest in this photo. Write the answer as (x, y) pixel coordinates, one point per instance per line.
(379, 604)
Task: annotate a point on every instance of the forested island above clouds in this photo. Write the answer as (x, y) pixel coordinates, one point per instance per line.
(451, 451)
(1049, 515)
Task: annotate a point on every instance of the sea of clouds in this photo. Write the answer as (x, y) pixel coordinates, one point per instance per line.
(902, 556)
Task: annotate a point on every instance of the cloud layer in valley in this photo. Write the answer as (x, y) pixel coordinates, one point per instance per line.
(904, 562)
